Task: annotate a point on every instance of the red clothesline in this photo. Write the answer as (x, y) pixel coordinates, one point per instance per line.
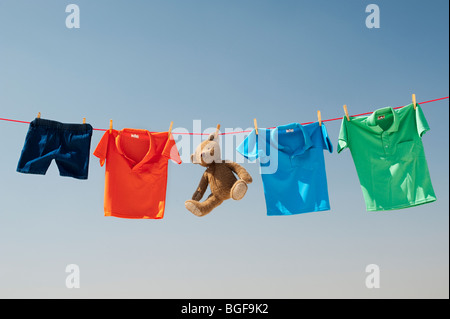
(239, 132)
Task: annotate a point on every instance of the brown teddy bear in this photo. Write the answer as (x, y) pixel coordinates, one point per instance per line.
(219, 175)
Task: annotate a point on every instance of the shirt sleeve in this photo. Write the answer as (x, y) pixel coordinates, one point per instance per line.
(343, 137)
(421, 121)
(171, 151)
(102, 148)
(326, 139)
(249, 147)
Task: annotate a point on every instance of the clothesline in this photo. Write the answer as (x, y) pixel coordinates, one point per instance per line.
(142, 169)
(248, 131)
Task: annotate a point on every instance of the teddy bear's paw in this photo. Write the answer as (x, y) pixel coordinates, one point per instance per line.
(193, 208)
(238, 190)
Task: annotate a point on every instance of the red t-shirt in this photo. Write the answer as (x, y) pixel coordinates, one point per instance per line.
(136, 172)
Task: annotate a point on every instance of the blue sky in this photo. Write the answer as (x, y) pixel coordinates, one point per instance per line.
(146, 63)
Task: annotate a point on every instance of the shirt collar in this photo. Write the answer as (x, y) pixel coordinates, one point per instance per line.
(119, 141)
(289, 129)
(371, 121)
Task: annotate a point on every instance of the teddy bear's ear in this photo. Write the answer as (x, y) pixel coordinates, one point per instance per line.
(192, 158)
(212, 137)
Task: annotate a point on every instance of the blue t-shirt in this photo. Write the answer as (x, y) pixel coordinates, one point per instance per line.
(292, 166)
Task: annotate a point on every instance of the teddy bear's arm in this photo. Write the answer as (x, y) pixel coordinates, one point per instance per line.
(201, 189)
(240, 172)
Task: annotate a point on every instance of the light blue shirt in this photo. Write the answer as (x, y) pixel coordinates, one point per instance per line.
(292, 166)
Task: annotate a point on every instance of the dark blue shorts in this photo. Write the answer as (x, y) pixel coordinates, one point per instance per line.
(68, 144)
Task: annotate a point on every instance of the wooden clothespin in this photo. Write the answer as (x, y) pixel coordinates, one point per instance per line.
(170, 129)
(84, 120)
(346, 113)
(110, 126)
(414, 101)
(319, 117)
(256, 126)
(39, 115)
(217, 131)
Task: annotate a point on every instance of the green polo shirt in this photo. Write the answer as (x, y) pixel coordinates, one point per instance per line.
(388, 154)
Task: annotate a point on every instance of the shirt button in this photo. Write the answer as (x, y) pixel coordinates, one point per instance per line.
(387, 146)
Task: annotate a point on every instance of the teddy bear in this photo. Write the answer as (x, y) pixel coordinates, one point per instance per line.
(219, 175)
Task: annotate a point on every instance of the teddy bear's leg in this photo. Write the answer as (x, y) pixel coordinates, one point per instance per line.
(192, 206)
(238, 190)
(203, 208)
